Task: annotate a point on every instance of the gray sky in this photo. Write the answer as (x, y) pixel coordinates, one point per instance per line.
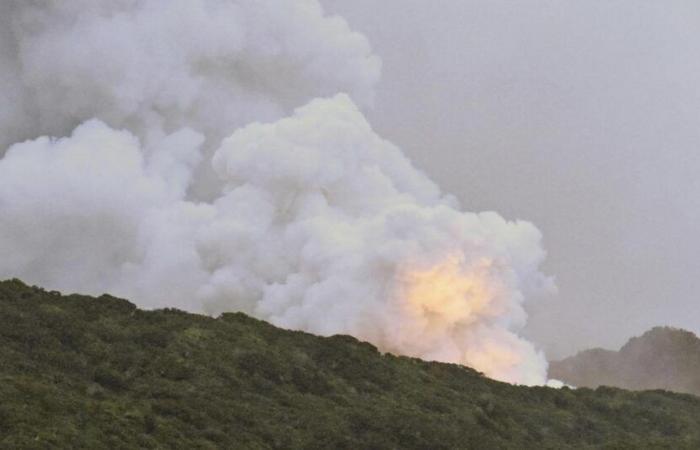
(580, 116)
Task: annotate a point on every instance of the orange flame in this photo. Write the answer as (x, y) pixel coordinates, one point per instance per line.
(450, 313)
(447, 293)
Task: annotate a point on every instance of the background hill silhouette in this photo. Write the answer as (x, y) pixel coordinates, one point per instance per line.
(662, 358)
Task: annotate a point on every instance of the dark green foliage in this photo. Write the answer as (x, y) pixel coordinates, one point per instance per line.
(78, 372)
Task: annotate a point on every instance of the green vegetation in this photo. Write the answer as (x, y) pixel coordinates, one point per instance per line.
(662, 358)
(79, 372)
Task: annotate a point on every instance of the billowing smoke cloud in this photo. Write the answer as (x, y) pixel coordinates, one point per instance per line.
(154, 65)
(316, 222)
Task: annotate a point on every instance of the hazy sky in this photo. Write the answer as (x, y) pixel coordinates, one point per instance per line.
(580, 116)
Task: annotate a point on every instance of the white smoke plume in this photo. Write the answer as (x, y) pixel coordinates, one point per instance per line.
(316, 222)
(156, 65)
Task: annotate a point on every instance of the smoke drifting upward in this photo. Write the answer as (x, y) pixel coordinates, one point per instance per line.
(156, 65)
(316, 222)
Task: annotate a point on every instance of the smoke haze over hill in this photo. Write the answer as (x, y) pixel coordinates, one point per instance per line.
(214, 156)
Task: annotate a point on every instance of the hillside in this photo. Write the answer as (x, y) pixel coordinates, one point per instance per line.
(662, 358)
(81, 372)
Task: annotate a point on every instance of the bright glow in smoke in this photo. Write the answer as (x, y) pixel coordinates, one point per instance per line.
(451, 304)
(315, 222)
(447, 292)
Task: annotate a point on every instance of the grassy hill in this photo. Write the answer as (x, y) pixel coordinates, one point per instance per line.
(81, 372)
(662, 358)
